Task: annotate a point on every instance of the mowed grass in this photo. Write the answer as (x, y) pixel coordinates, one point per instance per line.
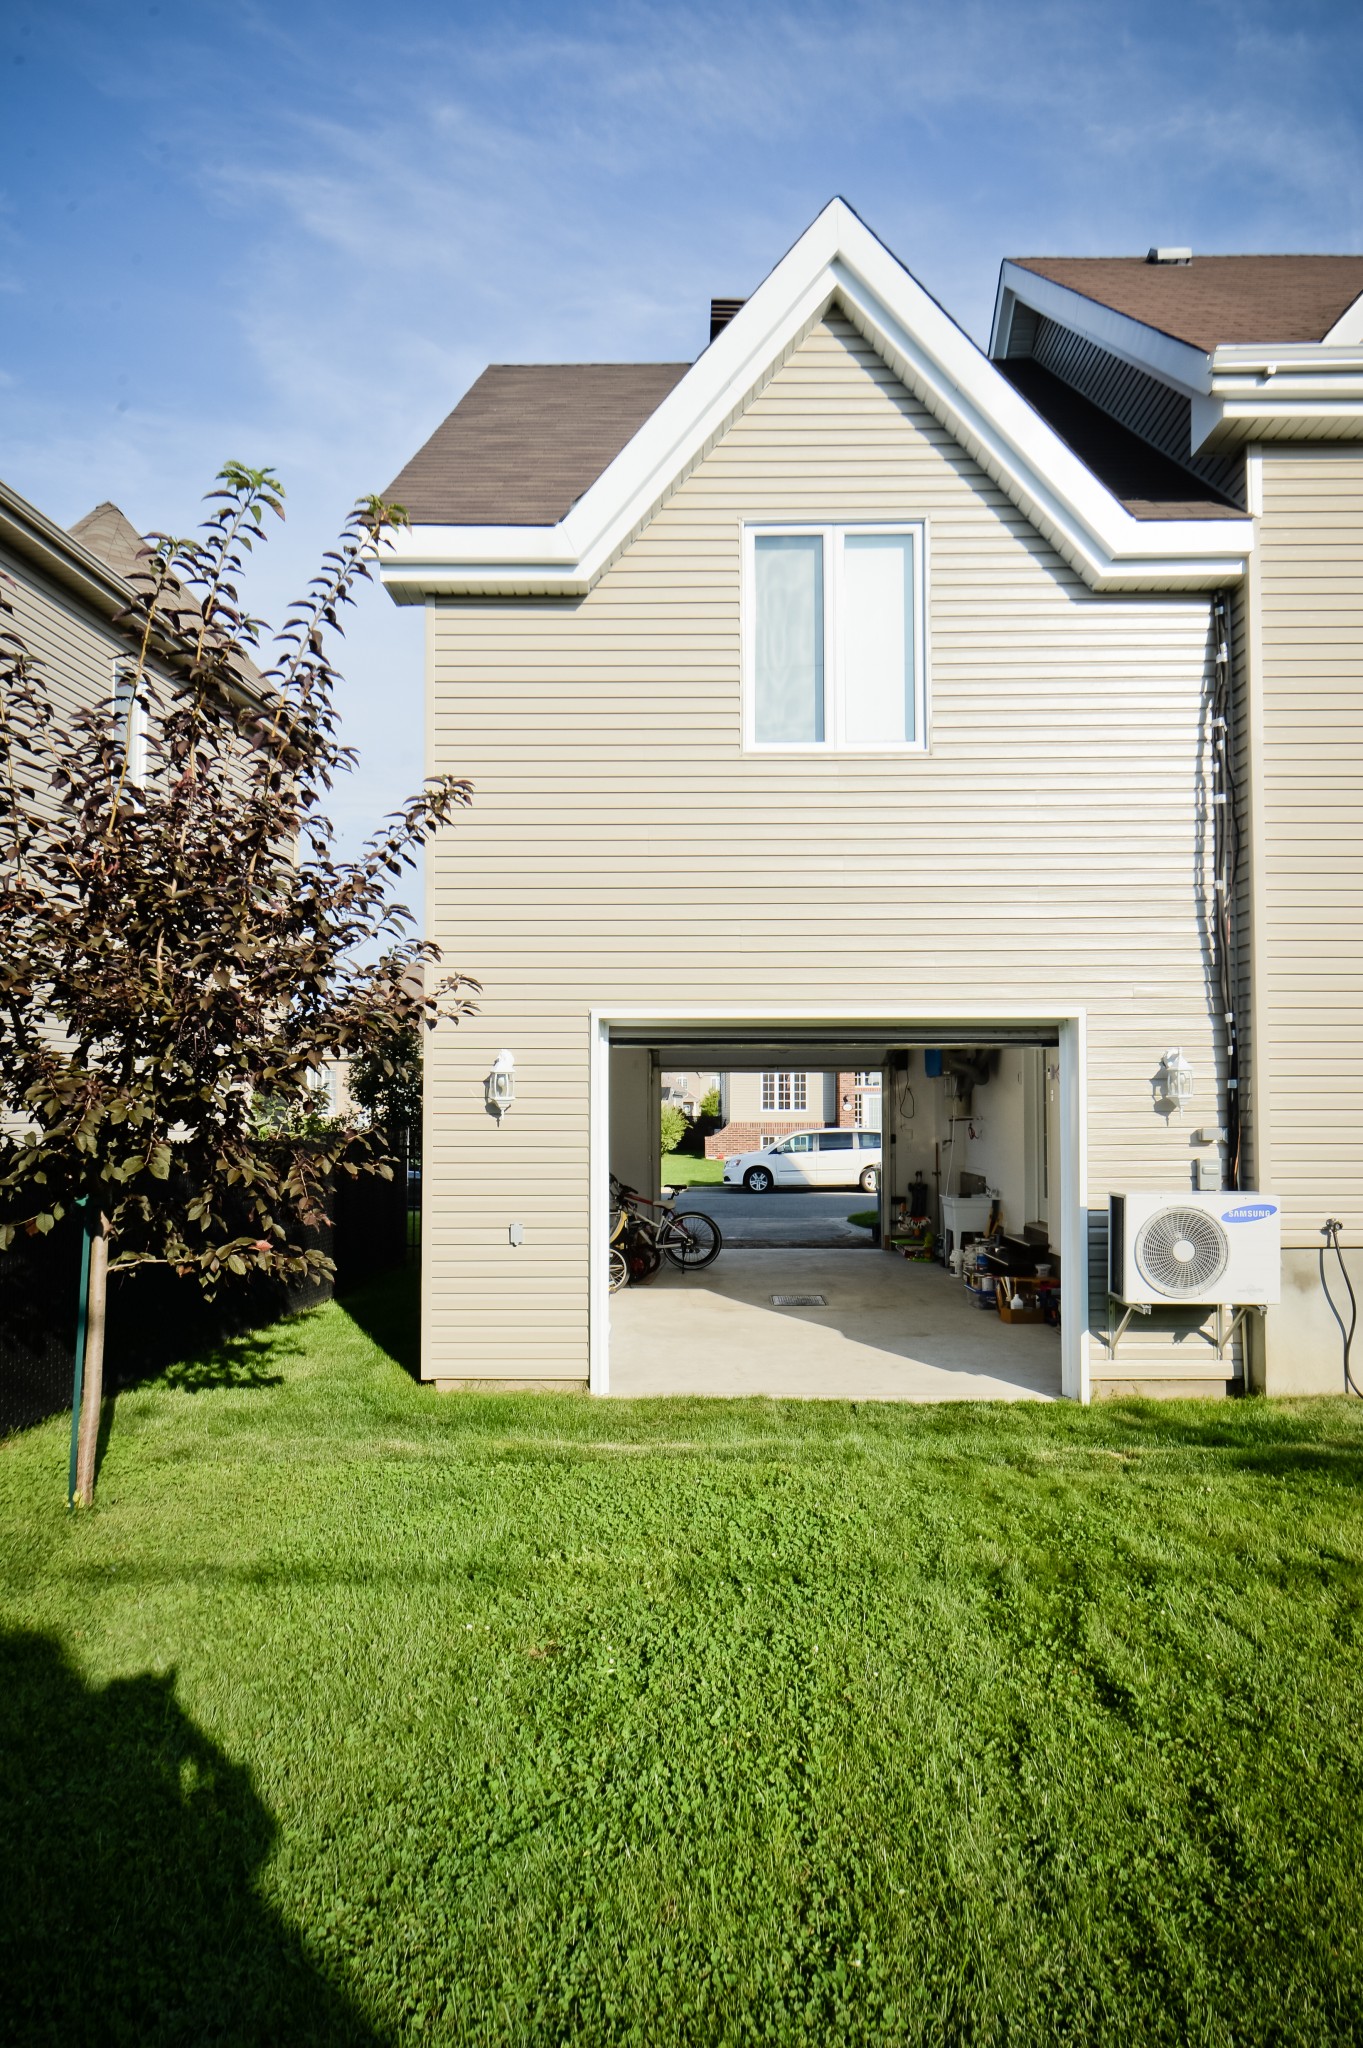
(681, 1170)
(354, 1712)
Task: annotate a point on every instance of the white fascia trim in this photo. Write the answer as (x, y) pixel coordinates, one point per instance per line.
(837, 257)
(1173, 362)
(1096, 534)
(1304, 389)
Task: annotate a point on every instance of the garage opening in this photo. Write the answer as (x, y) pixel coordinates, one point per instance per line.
(901, 1212)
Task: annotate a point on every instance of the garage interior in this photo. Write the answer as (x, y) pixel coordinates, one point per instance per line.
(972, 1148)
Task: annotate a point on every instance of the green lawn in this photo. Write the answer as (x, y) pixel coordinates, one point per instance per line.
(681, 1171)
(357, 1713)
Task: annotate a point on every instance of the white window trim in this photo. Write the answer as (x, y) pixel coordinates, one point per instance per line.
(797, 1083)
(830, 530)
(123, 668)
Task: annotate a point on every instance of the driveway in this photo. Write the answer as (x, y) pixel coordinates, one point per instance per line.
(808, 1216)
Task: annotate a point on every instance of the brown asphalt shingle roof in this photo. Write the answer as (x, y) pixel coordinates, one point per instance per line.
(1146, 482)
(109, 533)
(527, 440)
(1215, 299)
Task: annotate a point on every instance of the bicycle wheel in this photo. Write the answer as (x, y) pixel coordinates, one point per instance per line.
(641, 1253)
(691, 1241)
(643, 1261)
(619, 1270)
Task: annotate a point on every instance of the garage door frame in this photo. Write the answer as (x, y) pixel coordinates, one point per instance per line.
(1070, 1028)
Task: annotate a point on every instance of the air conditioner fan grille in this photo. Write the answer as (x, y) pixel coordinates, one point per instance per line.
(1182, 1252)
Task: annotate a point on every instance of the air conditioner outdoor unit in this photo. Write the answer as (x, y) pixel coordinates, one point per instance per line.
(1194, 1248)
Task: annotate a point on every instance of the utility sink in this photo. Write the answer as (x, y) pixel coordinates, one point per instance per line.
(964, 1212)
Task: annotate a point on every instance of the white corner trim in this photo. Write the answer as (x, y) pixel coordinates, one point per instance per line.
(1147, 348)
(599, 1206)
(836, 258)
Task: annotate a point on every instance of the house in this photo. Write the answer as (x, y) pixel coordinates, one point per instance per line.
(1012, 699)
(687, 1091)
(759, 1105)
(68, 591)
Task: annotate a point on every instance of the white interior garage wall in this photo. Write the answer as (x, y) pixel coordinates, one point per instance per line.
(998, 1140)
(635, 1119)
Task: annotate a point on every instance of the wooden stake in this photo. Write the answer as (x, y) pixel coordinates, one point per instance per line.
(92, 1393)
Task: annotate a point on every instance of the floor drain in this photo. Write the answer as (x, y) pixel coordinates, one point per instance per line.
(798, 1301)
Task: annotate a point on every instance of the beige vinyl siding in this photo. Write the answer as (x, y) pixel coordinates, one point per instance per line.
(75, 649)
(1310, 575)
(74, 653)
(623, 850)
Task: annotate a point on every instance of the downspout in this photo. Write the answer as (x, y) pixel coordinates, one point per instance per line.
(1225, 868)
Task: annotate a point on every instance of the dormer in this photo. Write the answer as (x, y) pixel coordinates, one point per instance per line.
(1198, 355)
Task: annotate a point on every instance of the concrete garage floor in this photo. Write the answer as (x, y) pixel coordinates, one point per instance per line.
(892, 1331)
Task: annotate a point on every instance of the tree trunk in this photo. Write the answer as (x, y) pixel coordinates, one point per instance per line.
(92, 1392)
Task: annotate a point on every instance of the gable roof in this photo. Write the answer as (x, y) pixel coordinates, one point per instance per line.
(109, 534)
(836, 261)
(1215, 301)
(527, 440)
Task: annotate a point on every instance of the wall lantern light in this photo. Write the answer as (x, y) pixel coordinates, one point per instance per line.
(501, 1085)
(1174, 1082)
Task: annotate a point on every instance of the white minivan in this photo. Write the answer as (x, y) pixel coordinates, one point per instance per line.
(809, 1159)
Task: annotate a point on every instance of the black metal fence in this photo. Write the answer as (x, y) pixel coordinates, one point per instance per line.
(155, 1317)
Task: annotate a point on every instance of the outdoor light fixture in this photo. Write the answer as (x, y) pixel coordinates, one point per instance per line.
(501, 1084)
(1174, 1082)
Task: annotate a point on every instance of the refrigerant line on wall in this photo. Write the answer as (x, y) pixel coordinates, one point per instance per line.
(1330, 1232)
(1225, 870)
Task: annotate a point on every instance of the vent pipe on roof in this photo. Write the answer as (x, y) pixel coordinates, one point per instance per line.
(1169, 256)
(722, 312)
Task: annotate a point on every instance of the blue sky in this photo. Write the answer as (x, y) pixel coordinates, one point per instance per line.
(295, 233)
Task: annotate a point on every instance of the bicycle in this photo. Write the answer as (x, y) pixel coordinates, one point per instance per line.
(639, 1243)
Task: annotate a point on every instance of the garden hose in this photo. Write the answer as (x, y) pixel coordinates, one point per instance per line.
(1330, 1232)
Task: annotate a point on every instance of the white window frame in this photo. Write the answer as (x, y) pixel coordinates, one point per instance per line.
(832, 532)
(125, 669)
(796, 1084)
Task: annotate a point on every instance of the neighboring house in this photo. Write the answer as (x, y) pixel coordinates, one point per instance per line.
(68, 590)
(686, 1092)
(759, 1106)
(929, 647)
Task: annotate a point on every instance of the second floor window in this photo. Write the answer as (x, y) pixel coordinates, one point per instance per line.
(783, 1091)
(834, 638)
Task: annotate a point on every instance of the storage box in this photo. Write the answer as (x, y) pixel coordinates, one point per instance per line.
(1032, 1294)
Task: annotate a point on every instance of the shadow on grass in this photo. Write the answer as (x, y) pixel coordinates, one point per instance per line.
(132, 1846)
(244, 1362)
(388, 1310)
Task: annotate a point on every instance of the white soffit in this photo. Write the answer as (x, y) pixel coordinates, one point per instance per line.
(1173, 362)
(1305, 390)
(837, 258)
